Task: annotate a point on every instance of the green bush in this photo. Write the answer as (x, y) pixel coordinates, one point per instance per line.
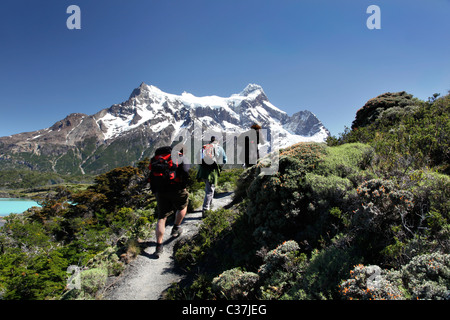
(295, 203)
(215, 226)
(278, 203)
(193, 185)
(278, 257)
(227, 180)
(235, 284)
(428, 277)
(93, 280)
(196, 199)
(281, 269)
(384, 215)
(346, 160)
(432, 205)
(394, 223)
(424, 277)
(370, 112)
(243, 183)
(32, 277)
(369, 283)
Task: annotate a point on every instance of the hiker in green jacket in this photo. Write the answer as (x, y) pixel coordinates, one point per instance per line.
(212, 157)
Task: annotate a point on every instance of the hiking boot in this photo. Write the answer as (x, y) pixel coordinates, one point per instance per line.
(159, 250)
(176, 231)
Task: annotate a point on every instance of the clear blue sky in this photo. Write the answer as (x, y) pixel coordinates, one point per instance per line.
(316, 55)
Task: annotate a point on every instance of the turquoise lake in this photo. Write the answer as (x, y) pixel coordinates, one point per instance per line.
(12, 205)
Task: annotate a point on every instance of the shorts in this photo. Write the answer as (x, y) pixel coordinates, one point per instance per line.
(167, 202)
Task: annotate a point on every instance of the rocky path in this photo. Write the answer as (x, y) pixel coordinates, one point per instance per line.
(147, 277)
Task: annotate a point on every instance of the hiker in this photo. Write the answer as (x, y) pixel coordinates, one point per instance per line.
(248, 145)
(168, 180)
(212, 158)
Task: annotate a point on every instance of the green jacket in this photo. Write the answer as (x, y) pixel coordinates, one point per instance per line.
(210, 173)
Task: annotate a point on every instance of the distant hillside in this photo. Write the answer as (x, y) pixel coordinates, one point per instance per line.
(26, 179)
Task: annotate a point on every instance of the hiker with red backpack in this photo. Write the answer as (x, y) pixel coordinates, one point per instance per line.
(168, 181)
(212, 158)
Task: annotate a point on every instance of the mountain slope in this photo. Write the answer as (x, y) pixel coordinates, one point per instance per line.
(130, 131)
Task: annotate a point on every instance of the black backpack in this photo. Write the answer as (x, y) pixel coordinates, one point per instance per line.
(163, 171)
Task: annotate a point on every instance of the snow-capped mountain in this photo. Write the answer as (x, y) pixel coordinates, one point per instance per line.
(128, 132)
(150, 105)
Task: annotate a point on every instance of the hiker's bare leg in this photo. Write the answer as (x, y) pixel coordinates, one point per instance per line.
(179, 216)
(160, 228)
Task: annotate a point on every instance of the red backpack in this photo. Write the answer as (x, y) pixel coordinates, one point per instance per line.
(209, 155)
(163, 171)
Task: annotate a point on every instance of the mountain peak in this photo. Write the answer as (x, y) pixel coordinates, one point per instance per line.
(143, 87)
(251, 88)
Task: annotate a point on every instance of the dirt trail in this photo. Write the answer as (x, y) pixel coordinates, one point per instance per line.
(146, 277)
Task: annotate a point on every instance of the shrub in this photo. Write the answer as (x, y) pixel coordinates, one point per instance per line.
(432, 206)
(295, 203)
(93, 280)
(227, 179)
(142, 227)
(369, 283)
(243, 183)
(107, 259)
(424, 277)
(277, 204)
(281, 269)
(193, 185)
(394, 115)
(323, 271)
(235, 284)
(278, 257)
(215, 226)
(35, 277)
(346, 160)
(196, 199)
(329, 189)
(428, 276)
(383, 216)
(405, 132)
(374, 107)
